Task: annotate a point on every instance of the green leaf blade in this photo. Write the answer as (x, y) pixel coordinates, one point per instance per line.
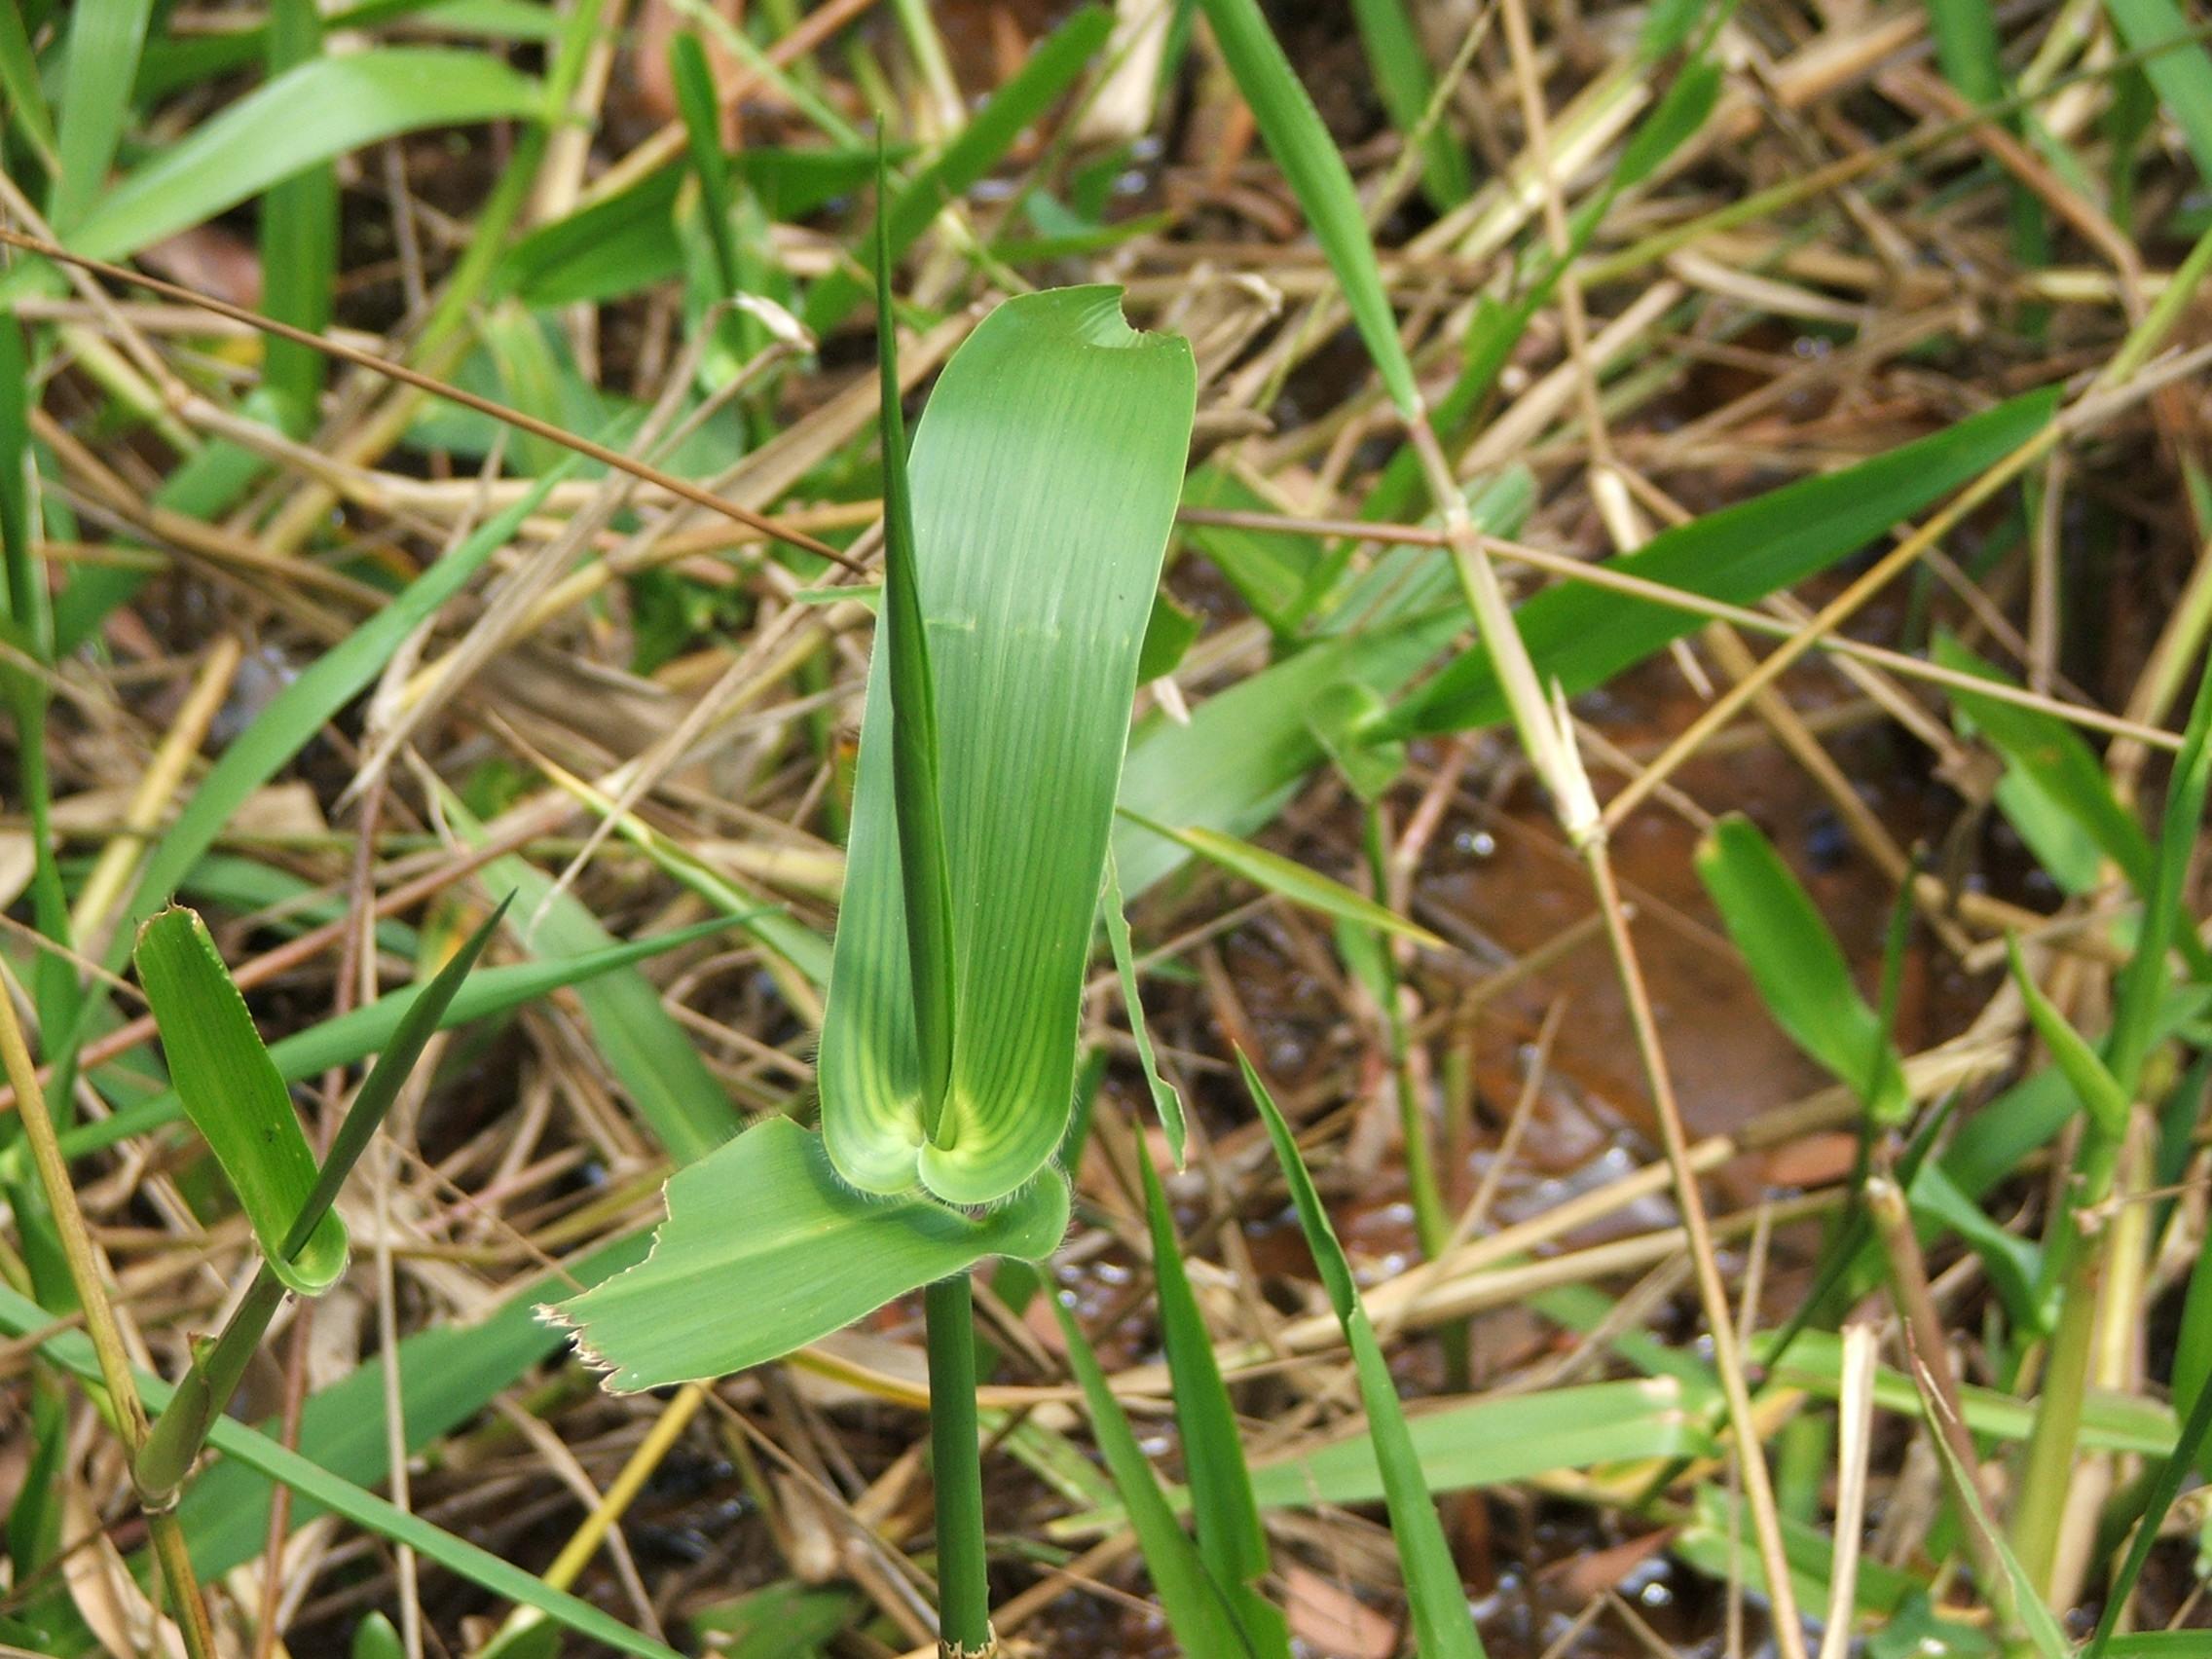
(324, 108)
(1797, 965)
(765, 1250)
(1231, 1540)
(235, 1098)
(1045, 472)
(1581, 636)
(1196, 1606)
(1443, 1626)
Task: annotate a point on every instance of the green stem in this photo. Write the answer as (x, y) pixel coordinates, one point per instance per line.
(2050, 1467)
(1432, 1220)
(964, 1591)
(186, 1420)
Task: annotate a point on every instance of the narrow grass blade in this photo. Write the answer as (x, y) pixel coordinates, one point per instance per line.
(423, 1017)
(235, 1098)
(1196, 1605)
(1231, 1542)
(702, 130)
(20, 81)
(1045, 474)
(2017, 1599)
(1289, 879)
(1582, 635)
(766, 1249)
(2092, 1082)
(315, 111)
(1308, 156)
(1165, 1100)
(1402, 77)
(917, 805)
(1798, 967)
(251, 1449)
(298, 710)
(1494, 1440)
(1443, 1627)
(96, 76)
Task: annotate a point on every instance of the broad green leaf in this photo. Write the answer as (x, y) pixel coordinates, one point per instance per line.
(1797, 965)
(249, 1449)
(1966, 46)
(184, 58)
(324, 108)
(2098, 1091)
(234, 1097)
(1230, 1540)
(2052, 759)
(2160, 1645)
(1197, 1606)
(1310, 160)
(104, 44)
(1165, 1100)
(1045, 473)
(1582, 635)
(364, 1031)
(1289, 879)
(978, 147)
(765, 1250)
(1443, 1627)
(297, 712)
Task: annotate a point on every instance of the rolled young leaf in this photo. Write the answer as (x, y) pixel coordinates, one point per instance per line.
(234, 1097)
(1045, 473)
